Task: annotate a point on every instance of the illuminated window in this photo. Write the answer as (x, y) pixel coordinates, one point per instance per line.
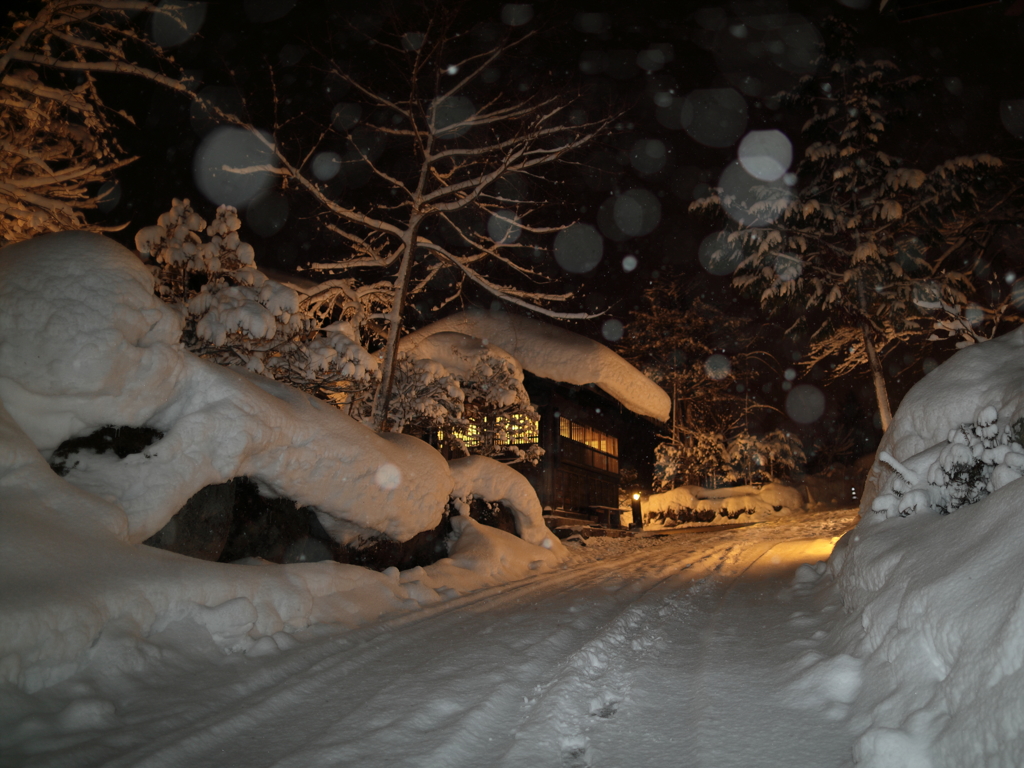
(589, 436)
(516, 429)
(601, 450)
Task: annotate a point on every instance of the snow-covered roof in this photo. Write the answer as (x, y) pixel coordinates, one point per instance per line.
(556, 353)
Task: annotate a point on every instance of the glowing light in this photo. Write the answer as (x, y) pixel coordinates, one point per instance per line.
(717, 367)
(715, 117)
(224, 165)
(388, 477)
(449, 116)
(176, 22)
(503, 227)
(612, 329)
(717, 255)
(637, 212)
(744, 197)
(326, 165)
(648, 156)
(516, 14)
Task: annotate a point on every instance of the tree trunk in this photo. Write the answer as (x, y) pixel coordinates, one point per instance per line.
(881, 395)
(387, 376)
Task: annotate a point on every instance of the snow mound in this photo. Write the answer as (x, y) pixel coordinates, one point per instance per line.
(693, 505)
(977, 377)
(491, 480)
(95, 347)
(558, 354)
(85, 344)
(83, 340)
(936, 601)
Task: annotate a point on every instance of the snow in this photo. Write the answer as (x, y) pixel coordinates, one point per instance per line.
(758, 645)
(489, 479)
(602, 663)
(955, 393)
(744, 503)
(556, 353)
(85, 343)
(934, 601)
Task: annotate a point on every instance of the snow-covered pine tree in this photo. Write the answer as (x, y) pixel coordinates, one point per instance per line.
(865, 244)
(706, 361)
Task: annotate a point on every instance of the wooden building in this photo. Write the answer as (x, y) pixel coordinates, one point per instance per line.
(588, 439)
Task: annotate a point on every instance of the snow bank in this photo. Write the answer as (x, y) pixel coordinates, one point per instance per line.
(693, 505)
(955, 393)
(83, 344)
(558, 354)
(491, 480)
(936, 602)
(67, 579)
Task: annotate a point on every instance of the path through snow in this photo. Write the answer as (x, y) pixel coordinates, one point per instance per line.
(697, 649)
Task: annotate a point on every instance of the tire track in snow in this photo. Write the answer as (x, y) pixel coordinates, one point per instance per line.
(552, 671)
(564, 716)
(251, 696)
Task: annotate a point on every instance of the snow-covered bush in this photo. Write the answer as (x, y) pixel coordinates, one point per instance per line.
(692, 504)
(695, 459)
(320, 342)
(713, 459)
(450, 383)
(235, 315)
(975, 459)
(763, 458)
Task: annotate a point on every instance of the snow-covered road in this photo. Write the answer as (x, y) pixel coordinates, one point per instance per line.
(685, 650)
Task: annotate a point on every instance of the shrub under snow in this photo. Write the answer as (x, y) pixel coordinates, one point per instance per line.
(690, 504)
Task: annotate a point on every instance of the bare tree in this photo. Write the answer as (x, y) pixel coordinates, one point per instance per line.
(57, 139)
(448, 194)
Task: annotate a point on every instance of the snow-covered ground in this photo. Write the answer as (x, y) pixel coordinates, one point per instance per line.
(694, 648)
(699, 647)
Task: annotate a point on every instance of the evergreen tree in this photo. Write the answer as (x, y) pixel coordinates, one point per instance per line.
(706, 361)
(863, 243)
